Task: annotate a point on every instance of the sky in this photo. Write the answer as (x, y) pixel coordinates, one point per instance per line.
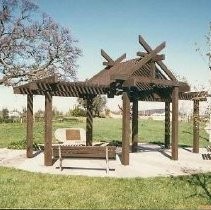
(114, 25)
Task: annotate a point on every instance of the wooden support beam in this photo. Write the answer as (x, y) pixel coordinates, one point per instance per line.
(33, 85)
(167, 125)
(120, 74)
(48, 131)
(110, 62)
(106, 56)
(160, 63)
(121, 58)
(135, 125)
(89, 122)
(174, 145)
(155, 58)
(200, 96)
(132, 81)
(125, 129)
(196, 126)
(29, 134)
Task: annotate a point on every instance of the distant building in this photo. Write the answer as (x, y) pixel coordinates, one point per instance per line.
(149, 112)
(14, 114)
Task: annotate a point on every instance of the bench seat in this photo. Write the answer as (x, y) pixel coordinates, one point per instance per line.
(62, 151)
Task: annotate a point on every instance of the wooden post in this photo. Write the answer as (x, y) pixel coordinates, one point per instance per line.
(89, 122)
(29, 132)
(167, 125)
(48, 131)
(196, 126)
(135, 125)
(125, 129)
(174, 146)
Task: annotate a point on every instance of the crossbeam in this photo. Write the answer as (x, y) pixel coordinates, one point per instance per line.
(109, 61)
(160, 63)
(124, 75)
(156, 58)
(147, 80)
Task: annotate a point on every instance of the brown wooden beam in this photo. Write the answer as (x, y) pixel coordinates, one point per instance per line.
(196, 126)
(156, 58)
(132, 81)
(167, 125)
(106, 56)
(125, 129)
(121, 58)
(119, 73)
(110, 62)
(160, 63)
(89, 122)
(135, 125)
(174, 145)
(48, 131)
(29, 132)
(33, 85)
(200, 96)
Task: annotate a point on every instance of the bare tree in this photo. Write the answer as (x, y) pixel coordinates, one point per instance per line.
(32, 48)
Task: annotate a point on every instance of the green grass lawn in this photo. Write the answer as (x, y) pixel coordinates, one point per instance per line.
(105, 129)
(21, 189)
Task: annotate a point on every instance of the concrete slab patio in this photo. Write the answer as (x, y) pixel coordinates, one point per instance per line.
(150, 161)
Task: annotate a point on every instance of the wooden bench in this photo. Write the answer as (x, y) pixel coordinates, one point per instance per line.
(62, 151)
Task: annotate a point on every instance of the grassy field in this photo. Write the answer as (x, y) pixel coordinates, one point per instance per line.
(21, 189)
(104, 129)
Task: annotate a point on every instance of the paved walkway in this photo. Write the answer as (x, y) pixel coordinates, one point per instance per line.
(150, 161)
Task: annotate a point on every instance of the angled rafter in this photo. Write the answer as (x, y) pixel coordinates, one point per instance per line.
(106, 56)
(123, 75)
(121, 58)
(160, 63)
(110, 62)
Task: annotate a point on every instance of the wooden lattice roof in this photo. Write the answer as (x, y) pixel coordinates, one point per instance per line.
(104, 76)
(52, 85)
(146, 77)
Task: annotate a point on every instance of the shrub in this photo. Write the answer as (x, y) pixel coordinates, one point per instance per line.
(78, 112)
(115, 143)
(21, 145)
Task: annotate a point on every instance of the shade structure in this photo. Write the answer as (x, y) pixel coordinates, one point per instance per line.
(144, 78)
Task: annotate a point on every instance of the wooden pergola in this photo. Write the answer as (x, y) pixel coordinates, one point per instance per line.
(145, 78)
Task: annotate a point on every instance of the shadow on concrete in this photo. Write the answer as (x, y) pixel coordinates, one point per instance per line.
(183, 146)
(161, 148)
(37, 153)
(165, 154)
